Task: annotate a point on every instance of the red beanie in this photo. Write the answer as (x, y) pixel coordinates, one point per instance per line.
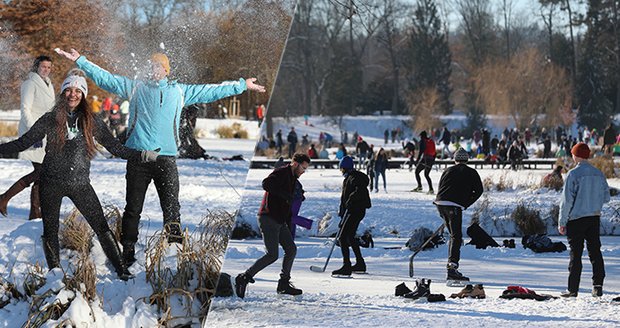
(581, 150)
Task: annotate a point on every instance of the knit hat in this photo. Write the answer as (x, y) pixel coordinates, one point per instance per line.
(75, 81)
(162, 59)
(346, 163)
(461, 155)
(581, 150)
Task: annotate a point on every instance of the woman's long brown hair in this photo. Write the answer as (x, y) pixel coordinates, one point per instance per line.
(86, 124)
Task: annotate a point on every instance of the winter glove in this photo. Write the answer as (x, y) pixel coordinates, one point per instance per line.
(149, 156)
(38, 144)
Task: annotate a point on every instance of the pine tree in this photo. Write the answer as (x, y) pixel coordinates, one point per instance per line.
(427, 57)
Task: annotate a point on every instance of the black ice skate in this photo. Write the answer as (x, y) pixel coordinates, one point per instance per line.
(422, 289)
(359, 267)
(241, 283)
(456, 279)
(343, 272)
(286, 288)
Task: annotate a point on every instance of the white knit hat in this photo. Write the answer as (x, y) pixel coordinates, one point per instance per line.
(461, 155)
(75, 81)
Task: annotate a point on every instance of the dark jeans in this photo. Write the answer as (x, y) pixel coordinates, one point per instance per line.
(274, 233)
(425, 165)
(83, 197)
(588, 229)
(382, 174)
(347, 236)
(453, 217)
(166, 178)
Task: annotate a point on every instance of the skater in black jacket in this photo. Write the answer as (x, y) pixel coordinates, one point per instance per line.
(274, 221)
(459, 187)
(353, 204)
(71, 129)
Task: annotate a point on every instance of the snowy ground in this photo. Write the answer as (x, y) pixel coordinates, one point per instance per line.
(368, 301)
(204, 185)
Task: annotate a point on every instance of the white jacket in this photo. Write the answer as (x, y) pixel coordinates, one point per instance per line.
(37, 98)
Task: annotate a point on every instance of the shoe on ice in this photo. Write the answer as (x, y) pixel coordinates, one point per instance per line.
(431, 192)
(241, 282)
(344, 271)
(568, 294)
(455, 275)
(422, 289)
(465, 292)
(597, 291)
(417, 189)
(285, 287)
(359, 267)
(402, 289)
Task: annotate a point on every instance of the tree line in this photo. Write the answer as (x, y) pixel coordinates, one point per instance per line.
(552, 66)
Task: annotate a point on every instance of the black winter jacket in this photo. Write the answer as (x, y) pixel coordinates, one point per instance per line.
(460, 184)
(71, 163)
(279, 189)
(355, 195)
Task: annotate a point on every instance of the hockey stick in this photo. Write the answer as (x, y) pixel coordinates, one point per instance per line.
(436, 233)
(315, 268)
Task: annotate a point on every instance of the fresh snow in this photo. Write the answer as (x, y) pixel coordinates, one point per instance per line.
(204, 185)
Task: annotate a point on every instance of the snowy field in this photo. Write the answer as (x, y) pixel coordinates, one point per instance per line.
(204, 185)
(369, 301)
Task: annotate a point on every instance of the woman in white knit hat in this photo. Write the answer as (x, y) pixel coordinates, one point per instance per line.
(71, 129)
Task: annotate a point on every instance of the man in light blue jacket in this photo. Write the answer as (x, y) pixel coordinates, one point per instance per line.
(585, 191)
(155, 106)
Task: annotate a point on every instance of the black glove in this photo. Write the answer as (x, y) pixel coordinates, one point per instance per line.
(38, 144)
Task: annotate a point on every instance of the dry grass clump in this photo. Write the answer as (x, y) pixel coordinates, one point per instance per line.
(8, 291)
(84, 279)
(75, 233)
(604, 163)
(528, 220)
(8, 129)
(236, 131)
(502, 183)
(34, 279)
(199, 260)
(113, 216)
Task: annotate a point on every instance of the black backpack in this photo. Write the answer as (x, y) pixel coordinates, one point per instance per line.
(479, 237)
(542, 244)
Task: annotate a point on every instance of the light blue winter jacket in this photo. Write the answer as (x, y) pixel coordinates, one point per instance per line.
(584, 193)
(155, 106)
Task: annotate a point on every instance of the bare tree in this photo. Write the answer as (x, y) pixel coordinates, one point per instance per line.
(527, 87)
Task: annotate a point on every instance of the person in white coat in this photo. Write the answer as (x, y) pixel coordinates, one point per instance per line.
(37, 98)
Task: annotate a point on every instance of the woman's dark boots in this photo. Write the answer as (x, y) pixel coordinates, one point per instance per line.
(52, 252)
(113, 252)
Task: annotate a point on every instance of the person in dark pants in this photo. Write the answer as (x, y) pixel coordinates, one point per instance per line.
(155, 105)
(71, 130)
(274, 221)
(354, 201)
(459, 187)
(291, 138)
(584, 193)
(425, 161)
